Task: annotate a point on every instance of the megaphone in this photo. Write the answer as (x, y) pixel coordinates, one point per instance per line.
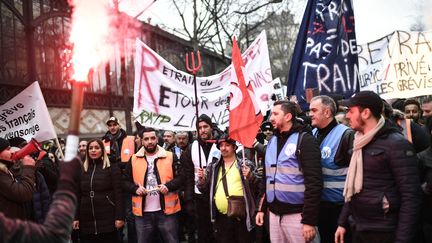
(31, 147)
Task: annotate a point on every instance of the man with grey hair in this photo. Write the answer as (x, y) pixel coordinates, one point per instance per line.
(335, 141)
(169, 140)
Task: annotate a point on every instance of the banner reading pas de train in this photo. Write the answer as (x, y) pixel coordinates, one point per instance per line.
(325, 54)
(164, 95)
(398, 65)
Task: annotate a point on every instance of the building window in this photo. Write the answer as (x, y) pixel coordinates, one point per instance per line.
(13, 54)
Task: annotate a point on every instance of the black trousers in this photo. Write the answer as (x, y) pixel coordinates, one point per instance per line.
(373, 237)
(99, 238)
(327, 224)
(230, 230)
(187, 220)
(202, 219)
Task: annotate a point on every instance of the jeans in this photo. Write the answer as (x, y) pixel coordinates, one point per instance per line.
(151, 222)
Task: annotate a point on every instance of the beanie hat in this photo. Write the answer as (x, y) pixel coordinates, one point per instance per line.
(17, 142)
(4, 144)
(205, 118)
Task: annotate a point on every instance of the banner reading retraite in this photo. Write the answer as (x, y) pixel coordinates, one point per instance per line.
(164, 95)
(26, 116)
(398, 65)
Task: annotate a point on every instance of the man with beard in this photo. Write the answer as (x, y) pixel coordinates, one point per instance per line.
(150, 178)
(199, 155)
(118, 145)
(292, 183)
(120, 148)
(382, 189)
(169, 140)
(82, 148)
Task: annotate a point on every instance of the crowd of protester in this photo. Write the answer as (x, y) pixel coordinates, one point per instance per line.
(353, 170)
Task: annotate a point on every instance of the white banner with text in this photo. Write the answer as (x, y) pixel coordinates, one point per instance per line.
(164, 96)
(397, 65)
(26, 116)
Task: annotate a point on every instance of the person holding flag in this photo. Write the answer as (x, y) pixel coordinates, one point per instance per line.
(228, 182)
(197, 203)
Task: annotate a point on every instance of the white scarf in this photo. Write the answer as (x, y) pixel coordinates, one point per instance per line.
(354, 178)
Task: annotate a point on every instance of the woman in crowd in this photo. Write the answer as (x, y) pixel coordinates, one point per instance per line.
(100, 206)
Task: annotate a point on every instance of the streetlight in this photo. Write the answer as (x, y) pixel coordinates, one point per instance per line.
(245, 13)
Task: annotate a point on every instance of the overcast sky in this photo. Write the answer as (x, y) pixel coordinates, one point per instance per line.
(374, 18)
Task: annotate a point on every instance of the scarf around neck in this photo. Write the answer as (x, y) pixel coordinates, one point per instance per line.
(354, 178)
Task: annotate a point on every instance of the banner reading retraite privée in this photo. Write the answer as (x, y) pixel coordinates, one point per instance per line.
(164, 96)
(398, 65)
(26, 116)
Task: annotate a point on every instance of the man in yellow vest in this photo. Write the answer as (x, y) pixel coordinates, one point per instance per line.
(150, 178)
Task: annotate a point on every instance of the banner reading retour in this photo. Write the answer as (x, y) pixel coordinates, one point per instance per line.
(398, 65)
(26, 116)
(164, 95)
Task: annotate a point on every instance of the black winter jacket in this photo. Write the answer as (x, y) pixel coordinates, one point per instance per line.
(50, 172)
(189, 168)
(390, 171)
(116, 142)
(41, 199)
(425, 163)
(16, 193)
(100, 199)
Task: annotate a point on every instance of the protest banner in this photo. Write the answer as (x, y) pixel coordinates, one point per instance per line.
(397, 65)
(325, 54)
(26, 116)
(164, 95)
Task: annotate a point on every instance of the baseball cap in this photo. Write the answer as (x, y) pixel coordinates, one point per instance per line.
(227, 139)
(365, 99)
(112, 119)
(266, 126)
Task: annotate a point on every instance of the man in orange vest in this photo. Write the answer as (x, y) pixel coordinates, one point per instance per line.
(120, 148)
(150, 178)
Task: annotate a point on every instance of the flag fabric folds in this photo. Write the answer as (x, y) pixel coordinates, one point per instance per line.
(325, 54)
(245, 116)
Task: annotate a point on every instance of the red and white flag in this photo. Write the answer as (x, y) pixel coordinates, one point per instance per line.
(245, 115)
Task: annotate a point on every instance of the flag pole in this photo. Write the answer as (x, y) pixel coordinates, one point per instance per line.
(194, 69)
(72, 139)
(58, 146)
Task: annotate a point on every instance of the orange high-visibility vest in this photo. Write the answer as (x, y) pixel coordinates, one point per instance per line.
(166, 174)
(406, 128)
(127, 149)
(107, 146)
